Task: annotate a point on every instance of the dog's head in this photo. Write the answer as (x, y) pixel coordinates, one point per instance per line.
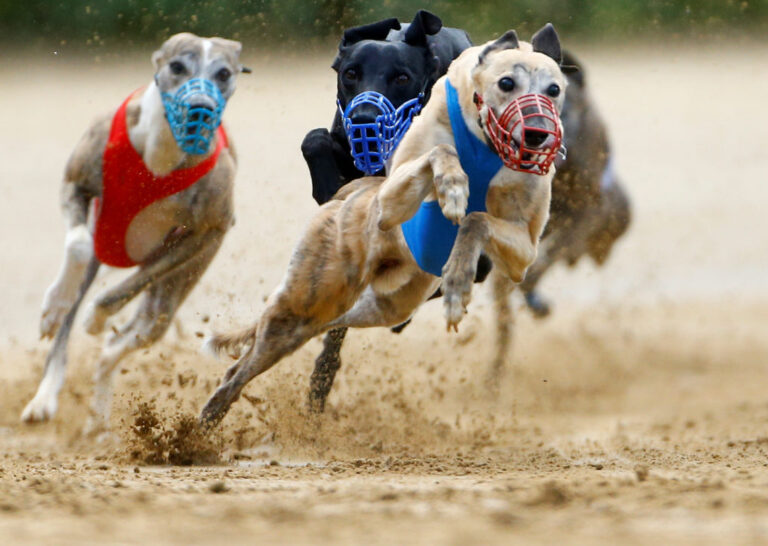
(519, 90)
(399, 70)
(195, 77)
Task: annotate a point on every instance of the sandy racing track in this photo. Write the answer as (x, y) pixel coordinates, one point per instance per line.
(637, 413)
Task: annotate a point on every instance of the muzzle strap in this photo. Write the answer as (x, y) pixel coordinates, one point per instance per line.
(373, 143)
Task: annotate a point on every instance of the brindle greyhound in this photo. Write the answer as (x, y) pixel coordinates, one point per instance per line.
(589, 210)
(172, 240)
(354, 268)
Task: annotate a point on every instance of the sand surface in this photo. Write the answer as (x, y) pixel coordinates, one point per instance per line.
(637, 413)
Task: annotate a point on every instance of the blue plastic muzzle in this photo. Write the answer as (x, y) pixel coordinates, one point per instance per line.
(194, 113)
(372, 144)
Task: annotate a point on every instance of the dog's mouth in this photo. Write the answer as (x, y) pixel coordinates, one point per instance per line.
(199, 116)
(527, 135)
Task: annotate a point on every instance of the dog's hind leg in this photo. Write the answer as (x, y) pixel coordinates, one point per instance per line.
(505, 324)
(150, 322)
(43, 406)
(279, 333)
(326, 366)
(114, 299)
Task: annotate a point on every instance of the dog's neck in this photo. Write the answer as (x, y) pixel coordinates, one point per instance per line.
(151, 135)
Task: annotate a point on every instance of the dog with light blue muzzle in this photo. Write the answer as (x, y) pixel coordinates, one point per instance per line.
(149, 188)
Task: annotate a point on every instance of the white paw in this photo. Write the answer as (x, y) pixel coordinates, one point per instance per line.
(57, 302)
(454, 201)
(95, 319)
(41, 408)
(454, 310)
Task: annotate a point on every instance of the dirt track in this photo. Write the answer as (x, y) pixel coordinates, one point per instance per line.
(637, 413)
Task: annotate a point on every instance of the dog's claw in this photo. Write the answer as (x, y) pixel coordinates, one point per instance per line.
(454, 311)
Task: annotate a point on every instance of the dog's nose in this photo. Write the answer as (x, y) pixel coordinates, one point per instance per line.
(534, 138)
(363, 117)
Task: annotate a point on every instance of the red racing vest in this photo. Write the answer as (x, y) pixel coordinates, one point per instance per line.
(128, 187)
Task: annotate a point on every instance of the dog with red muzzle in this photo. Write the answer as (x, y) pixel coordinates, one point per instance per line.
(472, 175)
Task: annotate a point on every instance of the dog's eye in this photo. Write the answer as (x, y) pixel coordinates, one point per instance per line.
(402, 79)
(177, 67)
(506, 84)
(553, 90)
(223, 75)
(350, 74)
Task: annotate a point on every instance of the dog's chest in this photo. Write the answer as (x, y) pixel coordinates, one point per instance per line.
(151, 227)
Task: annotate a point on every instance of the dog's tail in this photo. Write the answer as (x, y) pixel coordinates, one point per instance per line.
(234, 344)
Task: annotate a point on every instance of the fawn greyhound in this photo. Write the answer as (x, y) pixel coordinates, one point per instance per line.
(480, 156)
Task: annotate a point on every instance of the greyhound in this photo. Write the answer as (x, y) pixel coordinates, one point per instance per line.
(401, 64)
(149, 185)
(590, 208)
(367, 258)
(589, 212)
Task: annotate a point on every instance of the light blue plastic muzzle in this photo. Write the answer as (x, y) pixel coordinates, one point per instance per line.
(194, 113)
(372, 144)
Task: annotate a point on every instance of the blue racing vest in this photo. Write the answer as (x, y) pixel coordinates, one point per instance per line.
(429, 234)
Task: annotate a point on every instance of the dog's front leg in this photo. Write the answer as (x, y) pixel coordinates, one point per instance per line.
(111, 301)
(403, 191)
(318, 152)
(509, 244)
(78, 250)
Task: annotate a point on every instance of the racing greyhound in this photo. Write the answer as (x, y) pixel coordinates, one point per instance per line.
(370, 259)
(590, 209)
(148, 185)
(400, 63)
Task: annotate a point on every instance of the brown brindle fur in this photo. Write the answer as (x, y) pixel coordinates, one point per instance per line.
(352, 267)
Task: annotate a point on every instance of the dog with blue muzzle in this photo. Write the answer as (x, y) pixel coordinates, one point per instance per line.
(362, 263)
(148, 187)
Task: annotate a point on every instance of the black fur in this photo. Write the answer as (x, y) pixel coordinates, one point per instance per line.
(378, 53)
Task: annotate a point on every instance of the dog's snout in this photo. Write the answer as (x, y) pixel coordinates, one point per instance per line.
(535, 138)
(363, 117)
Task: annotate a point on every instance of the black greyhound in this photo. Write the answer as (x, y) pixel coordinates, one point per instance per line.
(590, 209)
(398, 61)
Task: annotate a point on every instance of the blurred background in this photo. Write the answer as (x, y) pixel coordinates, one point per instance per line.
(122, 23)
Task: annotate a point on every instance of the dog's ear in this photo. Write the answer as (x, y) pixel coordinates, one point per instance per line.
(171, 47)
(424, 24)
(507, 41)
(232, 50)
(573, 68)
(547, 42)
(374, 31)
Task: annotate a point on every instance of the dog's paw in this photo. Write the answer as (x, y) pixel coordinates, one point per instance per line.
(96, 428)
(40, 409)
(95, 318)
(56, 304)
(453, 195)
(454, 311)
(457, 291)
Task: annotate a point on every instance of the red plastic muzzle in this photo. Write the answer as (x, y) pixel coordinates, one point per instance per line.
(528, 135)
